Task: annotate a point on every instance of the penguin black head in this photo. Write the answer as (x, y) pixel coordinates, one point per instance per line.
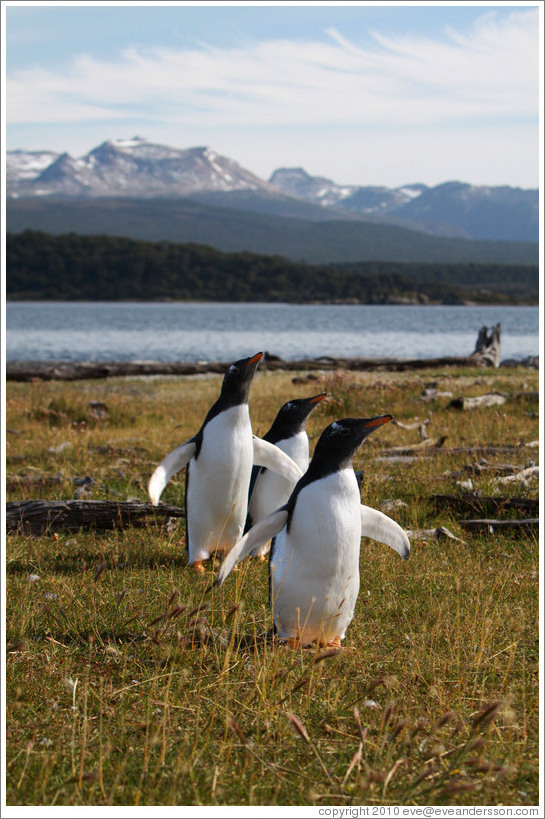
(238, 378)
(340, 441)
(292, 417)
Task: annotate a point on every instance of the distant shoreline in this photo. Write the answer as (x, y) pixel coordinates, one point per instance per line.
(310, 303)
(80, 370)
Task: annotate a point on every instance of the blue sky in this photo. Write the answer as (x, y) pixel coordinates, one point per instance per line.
(361, 93)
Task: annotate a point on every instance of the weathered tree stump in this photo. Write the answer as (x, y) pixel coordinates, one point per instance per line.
(487, 349)
(40, 516)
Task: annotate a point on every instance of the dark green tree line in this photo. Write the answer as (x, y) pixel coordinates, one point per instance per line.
(70, 267)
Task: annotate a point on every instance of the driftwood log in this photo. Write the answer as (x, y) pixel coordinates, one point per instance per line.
(523, 477)
(488, 449)
(78, 370)
(42, 517)
(33, 481)
(407, 454)
(523, 526)
(422, 446)
(486, 505)
(483, 467)
(492, 399)
(438, 533)
(39, 516)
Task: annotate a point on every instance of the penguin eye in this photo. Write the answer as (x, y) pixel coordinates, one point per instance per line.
(234, 370)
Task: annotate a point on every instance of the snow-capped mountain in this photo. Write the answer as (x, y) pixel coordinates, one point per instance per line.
(321, 191)
(452, 208)
(141, 169)
(131, 167)
(483, 212)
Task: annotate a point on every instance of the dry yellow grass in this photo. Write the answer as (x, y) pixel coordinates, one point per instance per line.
(130, 682)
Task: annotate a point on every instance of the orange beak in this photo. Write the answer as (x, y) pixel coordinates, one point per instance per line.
(378, 422)
(256, 357)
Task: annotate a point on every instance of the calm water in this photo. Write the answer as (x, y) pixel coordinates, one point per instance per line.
(102, 331)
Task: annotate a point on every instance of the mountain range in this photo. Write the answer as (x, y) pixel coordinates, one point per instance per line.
(43, 187)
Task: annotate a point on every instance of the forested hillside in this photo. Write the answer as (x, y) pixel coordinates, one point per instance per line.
(234, 230)
(73, 267)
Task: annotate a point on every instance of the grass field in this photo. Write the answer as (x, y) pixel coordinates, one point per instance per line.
(131, 682)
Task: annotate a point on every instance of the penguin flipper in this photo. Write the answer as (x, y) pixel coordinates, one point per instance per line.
(378, 526)
(263, 531)
(269, 455)
(168, 467)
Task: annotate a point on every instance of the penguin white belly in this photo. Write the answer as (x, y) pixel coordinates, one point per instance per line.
(272, 490)
(315, 565)
(217, 493)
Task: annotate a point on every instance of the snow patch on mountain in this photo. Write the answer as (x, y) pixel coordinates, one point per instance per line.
(26, 165)
(130, 167)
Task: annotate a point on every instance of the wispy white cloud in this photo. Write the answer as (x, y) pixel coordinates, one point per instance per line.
(489, 72)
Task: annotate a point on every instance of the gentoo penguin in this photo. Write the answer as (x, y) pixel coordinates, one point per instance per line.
(219, 461)
(314, 562)
(269, 490)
